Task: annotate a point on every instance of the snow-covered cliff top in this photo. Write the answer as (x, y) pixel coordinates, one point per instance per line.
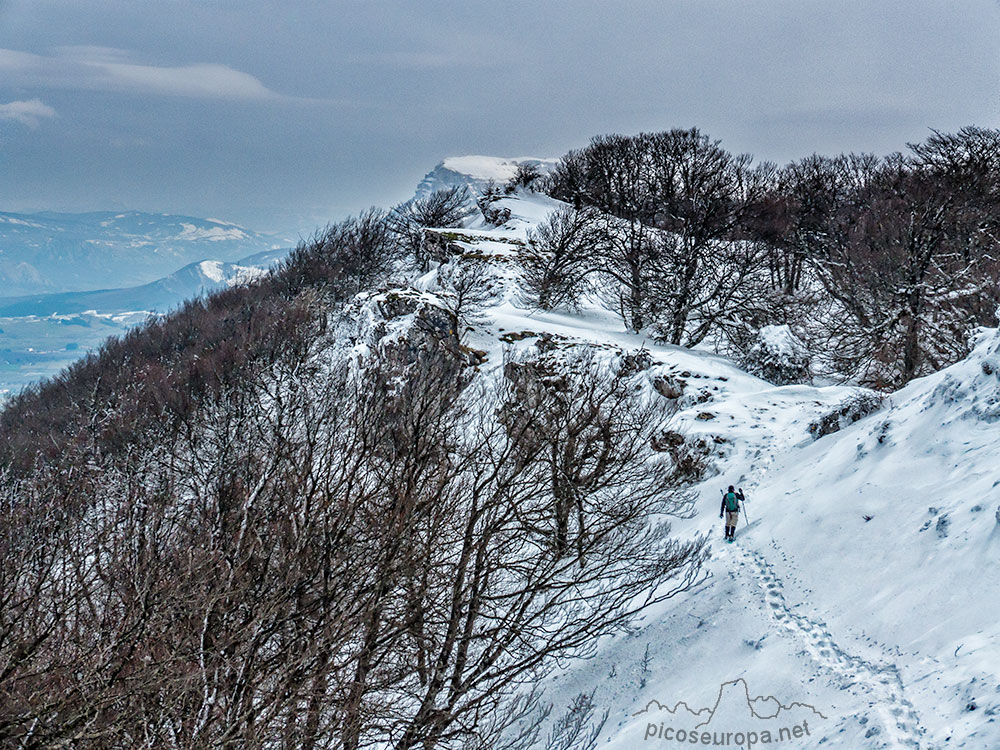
(476, 172)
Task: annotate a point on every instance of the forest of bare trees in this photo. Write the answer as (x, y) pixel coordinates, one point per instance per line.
(881, 266)
(216, 532)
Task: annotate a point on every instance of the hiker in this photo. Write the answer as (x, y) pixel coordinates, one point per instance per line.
(731, 509)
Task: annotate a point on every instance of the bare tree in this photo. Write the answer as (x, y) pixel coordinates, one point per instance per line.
(908, 256)
(568, 180)
(468, 286)
(443, 208)
(675, 202)
(492, 214)
(346, 257)
(701, 195)
(578, 728)
(473, 576)
(561, 254)
(524, 177)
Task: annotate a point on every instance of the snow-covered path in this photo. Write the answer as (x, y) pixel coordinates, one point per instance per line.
(878, 683)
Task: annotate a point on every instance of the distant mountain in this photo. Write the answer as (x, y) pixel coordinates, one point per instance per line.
(158, 296)
(476, 171)
(42, 333)
(57, 252)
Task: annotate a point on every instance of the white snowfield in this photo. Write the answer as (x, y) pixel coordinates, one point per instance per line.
(817, 628)
(214, 234)
(491, 167)
(476, 172)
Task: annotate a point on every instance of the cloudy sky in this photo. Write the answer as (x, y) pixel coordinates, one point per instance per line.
(285, 114)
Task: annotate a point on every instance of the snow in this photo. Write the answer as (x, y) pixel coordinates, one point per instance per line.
(778, 356)
(12, 220)
(475, 172)
(861, 595)
(888, 628)
(212, 234)
(486, 168)
(779, 339)
(212, 270)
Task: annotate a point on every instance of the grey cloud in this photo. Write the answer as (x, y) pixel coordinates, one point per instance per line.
(109, 69)
(26, 112)
(319, 109)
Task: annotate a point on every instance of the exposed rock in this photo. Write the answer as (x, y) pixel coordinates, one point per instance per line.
(511, 336)
(475, 172)
(846, 413)
(496, 215)
(636, 361)
(942, 525)
(668, 386)
(691, 455)
(441, 246)
(778, 356)
(409, 327)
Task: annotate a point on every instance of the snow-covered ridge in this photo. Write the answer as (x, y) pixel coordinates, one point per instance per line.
(862, 586)
(41, 334)
(476, 171)
(212, 234)
(491, 167)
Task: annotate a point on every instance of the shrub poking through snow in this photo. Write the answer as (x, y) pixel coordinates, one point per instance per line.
(846, 413)
(778, 356)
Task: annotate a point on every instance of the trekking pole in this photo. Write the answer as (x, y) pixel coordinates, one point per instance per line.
(747, 520)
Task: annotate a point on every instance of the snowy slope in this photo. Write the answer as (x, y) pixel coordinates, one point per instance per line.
(859, 607)
(879, 633)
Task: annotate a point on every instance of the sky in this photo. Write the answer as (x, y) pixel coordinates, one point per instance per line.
(286, 115)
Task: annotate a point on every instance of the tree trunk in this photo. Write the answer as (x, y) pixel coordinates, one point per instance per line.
(911, 346)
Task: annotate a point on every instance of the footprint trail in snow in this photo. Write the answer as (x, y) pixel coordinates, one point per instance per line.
(881, 683)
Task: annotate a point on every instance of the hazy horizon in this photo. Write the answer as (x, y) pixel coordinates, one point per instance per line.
(281, 117)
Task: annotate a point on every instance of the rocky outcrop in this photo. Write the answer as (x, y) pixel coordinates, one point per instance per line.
(407, 328)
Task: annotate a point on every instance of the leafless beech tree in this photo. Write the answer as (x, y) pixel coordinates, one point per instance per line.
(469, 596)
(468, 286)
(617, 176)
(349, 256)
(701, 195)
(568, 181)
(909, 255)
(584, 419)
(443, 208)
(884, 265)
(524, 177)
(679, 200)
(560, 257)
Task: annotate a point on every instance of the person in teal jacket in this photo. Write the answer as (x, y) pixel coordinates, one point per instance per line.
(731, 509)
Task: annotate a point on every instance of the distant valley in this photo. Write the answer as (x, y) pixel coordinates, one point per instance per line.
(54, 252)
(68, 281)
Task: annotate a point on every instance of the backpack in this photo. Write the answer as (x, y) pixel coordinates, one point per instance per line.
(732, 503)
